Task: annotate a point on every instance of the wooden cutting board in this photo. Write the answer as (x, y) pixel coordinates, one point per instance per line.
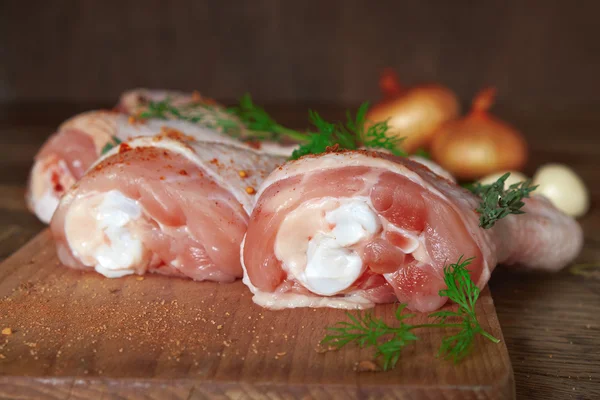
(79, 335)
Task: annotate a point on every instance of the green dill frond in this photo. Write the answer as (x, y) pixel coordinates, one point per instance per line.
(108, 146)
(365, 330)
(497, 202)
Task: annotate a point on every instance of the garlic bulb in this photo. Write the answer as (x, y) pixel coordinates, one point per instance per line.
(563, 187)
(412, 113)
(514, 177)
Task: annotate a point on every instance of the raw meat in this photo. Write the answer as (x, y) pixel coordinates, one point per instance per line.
(165, 204)
(79, 141)
(351, 229)
(203, 110)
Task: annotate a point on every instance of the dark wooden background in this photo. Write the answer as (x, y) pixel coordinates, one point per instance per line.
(540, 54)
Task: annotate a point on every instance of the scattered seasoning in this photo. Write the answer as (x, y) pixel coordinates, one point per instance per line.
(144, 324)
(131, 119)
(332, 149)
(139, 278)
(123, 147)
(320, 348)
(183, 172)
(55, 179)
(162, 178)
(214, 161)
(254, 144)
(171, 133)
(366, 366)
(142, 99)
(250, 190)
(242, 173)
(7, 331)
(196, 96)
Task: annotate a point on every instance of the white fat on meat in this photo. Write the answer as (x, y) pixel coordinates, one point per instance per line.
(45, 205)
(100, 230)
(434, 167)
(42, 196)
(315, 243)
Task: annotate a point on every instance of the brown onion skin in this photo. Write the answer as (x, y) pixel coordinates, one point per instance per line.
(414, 113)
(479, 144)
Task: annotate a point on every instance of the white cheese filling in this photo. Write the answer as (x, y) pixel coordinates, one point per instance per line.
(315, 247)
(98, 230)
(331, 267)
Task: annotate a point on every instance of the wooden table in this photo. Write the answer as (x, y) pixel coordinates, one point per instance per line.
(551, 323)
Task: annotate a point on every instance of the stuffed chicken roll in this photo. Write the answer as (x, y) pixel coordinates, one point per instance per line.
(80, 141)
(352, 229)
(165, 204)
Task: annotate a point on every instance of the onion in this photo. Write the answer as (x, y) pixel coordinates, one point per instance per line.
(479, 144)
(413, 113)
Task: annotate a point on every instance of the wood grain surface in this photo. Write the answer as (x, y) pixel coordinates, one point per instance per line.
(134, 336)
(550, 322)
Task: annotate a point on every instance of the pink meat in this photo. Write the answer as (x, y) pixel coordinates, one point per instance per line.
(74, 147)
(79, 142)
(421, 204)
(175, 193)
(195, 199)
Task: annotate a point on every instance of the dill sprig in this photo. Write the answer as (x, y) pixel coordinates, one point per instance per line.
(261, 124)
(202, 113)
(376, 135)
(251, 122)
(349, 136)
(461, 290)
(114, 142)
(497, 202)
(388, 341)
(421, 152)
(164, 109)
(327, 135)
(368, 331)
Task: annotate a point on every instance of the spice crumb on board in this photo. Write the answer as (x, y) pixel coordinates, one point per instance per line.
(7, 331)
(366, 366)
(145, 324)
(319, 348)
